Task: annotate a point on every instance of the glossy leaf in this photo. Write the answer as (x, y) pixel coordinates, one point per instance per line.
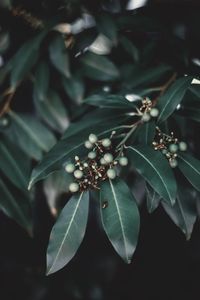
(120, 217)
(68, 232)
(183, 213)
(153, 199)
(74, 88)
(111, 101)
(147, 133)
(41, 85)
(130, 48)
(99, 67)
(155, 169)
(172, 97)
(107, 26)
(59, 55)
(190, 167)
(14, 164)
(15, 207)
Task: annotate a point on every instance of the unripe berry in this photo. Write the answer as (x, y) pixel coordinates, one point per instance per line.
(69, 168)
(92, 155)
(146, 117)
(182, 146)
(154, 112)
(93, 138)
(106, 142)
(78, 174)
(164, 151)
(173, 148)
(173, 163)
(73, 187)
(88, 145)
(123, 161)
(111, 173)
(108, 157)
(102, 161)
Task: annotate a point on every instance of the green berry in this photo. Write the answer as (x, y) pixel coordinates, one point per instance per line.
(106, 143)
(154, 112)
(92, 155)
(123, 161)
(93, 138)
(182, 146)
(73, 187)
(102, 161)
(88, 145)
(146, 117)
(70, 168)
(108, 157)
(78, 174)
(173, 163)
(111, 173)
(164, 151)
(173, 148)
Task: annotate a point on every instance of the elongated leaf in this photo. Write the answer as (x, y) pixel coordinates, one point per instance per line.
(120, 217)
(147, 133)
(191, 112)
(107, 26)
(111, 101)
(68, 232)
(74, 88)
(41, 81)
(30, 135)
(14, 164)
(99, 67)
(59, 56)
(195, 89)
(52, 110)
(15, 207)
(130, 48)
(190, 167)
(183, 213)
(153, 198)
(172, 97)
(156, 171)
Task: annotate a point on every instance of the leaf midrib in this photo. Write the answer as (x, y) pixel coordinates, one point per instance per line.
(187, 162)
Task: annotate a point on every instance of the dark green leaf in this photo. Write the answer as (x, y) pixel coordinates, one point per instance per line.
(68, 232)
(99, 67)
(153, 198)
(111, 101)
(74, 88)
(41, 81)
(120, 217)
(59, 55)
(130, 48)
(156, 171)
(15, 207)
(146, 133)
(172, 97)
(14, 164)
(183, 213)
(195, 89)
(107, 26)
(190, 167)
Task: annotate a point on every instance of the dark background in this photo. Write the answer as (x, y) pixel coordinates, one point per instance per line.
(164, 266)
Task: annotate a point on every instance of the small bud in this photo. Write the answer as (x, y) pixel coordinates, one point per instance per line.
(146, 117)
(108, 157)
(182, 146)
(73, 187)
(85, 165)
(69, 168)
(92, 155)
(93, 138)
(173, 163)
(123, 161)
(78, 174)
(102, 161)
(154, 112)
(173, 148)
(106, 143)
(88, 145)
(111, 173)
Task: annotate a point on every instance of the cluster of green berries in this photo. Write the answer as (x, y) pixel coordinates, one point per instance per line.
(169, 146)
(147, 110)
(99, 164)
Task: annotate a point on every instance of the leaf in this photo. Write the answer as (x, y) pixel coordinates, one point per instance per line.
(74, 88)
(130, 48)
(111, 101)
(32, 137)
(25, 59)
(15, 207)
(183, 213)
(147, 133)
(14, 164)
(68, 232)
(120, 217)
(195, 89)
(153, 199)
(59, 55)
(98, 67)
(107, 26)
(172, 97)
(155, 169)
(192, 113)
(190, 167)
(52, 110)
(41, 85)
